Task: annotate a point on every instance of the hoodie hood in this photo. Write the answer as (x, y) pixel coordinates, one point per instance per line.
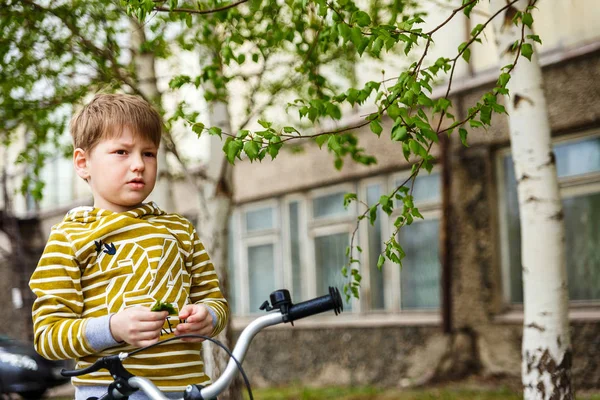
(86, 214)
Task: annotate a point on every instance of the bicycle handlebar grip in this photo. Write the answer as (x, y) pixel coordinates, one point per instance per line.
(331, 301)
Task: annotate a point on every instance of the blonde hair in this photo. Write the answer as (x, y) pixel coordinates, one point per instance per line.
(106, 116)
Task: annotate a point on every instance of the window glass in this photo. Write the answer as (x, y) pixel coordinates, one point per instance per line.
(375, 246)
(295, 251)
(581, 214)
(427, 188)
(260, 219)
(330, 257)
(577, 158)
(329, 205)
(261, 274)
(420, 274)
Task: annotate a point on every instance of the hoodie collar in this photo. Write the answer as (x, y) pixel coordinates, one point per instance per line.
(86, 214)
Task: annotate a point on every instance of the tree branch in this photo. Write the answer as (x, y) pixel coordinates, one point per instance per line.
(194, 11)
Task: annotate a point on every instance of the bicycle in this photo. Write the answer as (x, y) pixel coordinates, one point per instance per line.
(284, 311)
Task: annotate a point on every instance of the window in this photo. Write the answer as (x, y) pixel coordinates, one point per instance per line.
(330, 229)
(421, 268)
(298, 242)
(258, 256)
(578, 168)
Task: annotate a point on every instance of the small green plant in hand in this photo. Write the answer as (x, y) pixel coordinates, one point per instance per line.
(160, 306)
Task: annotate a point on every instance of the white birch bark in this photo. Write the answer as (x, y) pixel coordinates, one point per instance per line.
(144, 63)
(546, 348)
(213, 223)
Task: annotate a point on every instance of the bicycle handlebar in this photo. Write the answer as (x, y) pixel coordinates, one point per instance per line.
(287, 312)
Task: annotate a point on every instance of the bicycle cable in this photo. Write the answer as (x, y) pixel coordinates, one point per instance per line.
(218, 343)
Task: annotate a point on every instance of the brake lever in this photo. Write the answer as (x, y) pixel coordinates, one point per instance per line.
(113, 363)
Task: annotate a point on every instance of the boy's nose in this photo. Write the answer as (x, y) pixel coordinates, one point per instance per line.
(137, 163)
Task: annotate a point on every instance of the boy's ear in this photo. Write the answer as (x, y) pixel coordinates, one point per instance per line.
(80, 163)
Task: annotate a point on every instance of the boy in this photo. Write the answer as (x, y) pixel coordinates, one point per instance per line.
(104, 267)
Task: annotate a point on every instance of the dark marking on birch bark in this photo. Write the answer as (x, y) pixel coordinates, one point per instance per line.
(559, 216)
(551, 159)
(558, 341)
(523, 177)
(531, 199)
(508, 16)
(533, 325)
(518, 99)
(559, 386)
(542, 389)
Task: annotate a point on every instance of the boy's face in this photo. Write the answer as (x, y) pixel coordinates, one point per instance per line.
(121, 170)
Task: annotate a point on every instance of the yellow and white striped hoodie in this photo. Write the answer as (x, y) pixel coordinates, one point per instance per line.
(97, 262)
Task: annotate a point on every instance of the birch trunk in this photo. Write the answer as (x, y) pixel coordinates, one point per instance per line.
(546, 348)
(144, 63)
(213, 223)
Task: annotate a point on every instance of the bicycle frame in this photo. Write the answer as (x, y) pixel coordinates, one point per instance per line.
(286, 311)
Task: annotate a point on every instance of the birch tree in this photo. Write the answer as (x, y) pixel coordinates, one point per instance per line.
(546, 350)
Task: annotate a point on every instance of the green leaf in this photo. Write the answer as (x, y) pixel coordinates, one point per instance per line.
(373, 214)
(290, 129)
(338, 163)
(198, 127)
(376, 127)
(528, 19)
(349, 198)
(399, 131)
(215, 130)
(265, 124)
(321, 139)
(380, 261)
(361, 18)
(503, 79)
(466, 55)
(393, 111)
(232, 149)
(251, 148)
(535, 38)
(527, 50)
(462, 132)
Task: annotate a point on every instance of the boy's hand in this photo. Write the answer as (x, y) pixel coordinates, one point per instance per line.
(198, 320)
(137, 326)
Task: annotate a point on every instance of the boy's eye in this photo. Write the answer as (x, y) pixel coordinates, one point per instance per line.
(149, 154)
(121, 152)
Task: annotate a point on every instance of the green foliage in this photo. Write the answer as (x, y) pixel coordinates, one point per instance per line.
(279, 48)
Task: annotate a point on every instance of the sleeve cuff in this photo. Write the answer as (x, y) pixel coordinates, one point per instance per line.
(98, 335)
(212, 312)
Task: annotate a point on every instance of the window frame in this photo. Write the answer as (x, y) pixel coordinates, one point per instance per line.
(429, 210)
(311, 228)
(570, 186)
(329, 225)
(256, 238)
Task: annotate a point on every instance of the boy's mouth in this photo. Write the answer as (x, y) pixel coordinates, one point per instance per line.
(136, 183)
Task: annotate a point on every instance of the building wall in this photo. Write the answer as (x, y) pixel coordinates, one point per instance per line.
(486, 329)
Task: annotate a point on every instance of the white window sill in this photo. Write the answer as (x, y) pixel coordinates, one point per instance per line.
(354, 320)
(515, 316)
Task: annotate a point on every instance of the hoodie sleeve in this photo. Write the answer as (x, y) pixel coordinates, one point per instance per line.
(59, 330)
(205, 287)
